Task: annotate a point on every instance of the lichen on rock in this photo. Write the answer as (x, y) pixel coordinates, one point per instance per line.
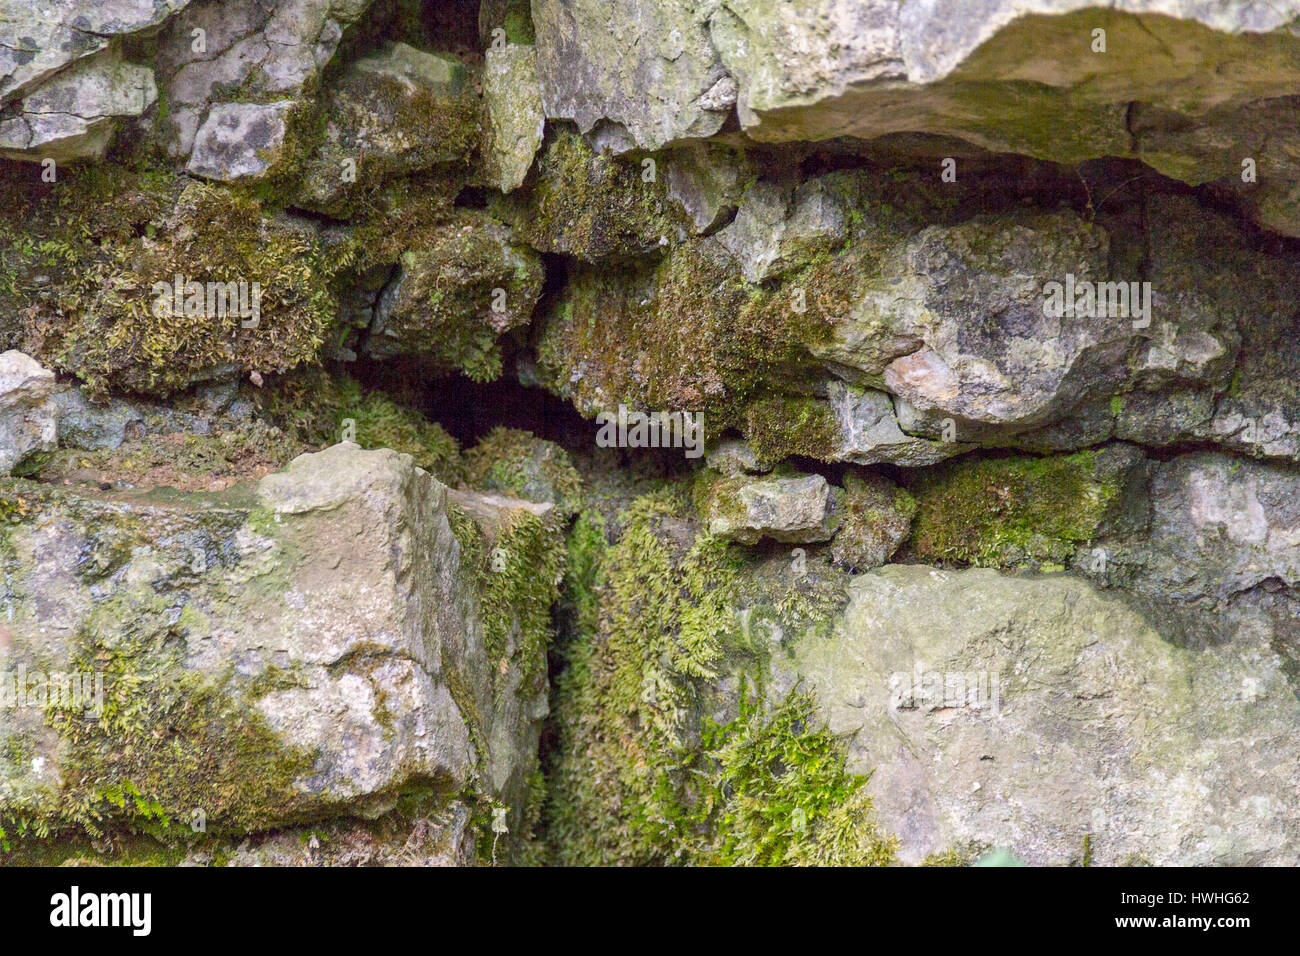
(986, 327)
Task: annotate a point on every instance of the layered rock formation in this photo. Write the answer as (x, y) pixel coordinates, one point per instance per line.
(983, 533)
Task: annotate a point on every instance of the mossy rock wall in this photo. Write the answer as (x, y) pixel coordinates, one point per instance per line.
(234, 685)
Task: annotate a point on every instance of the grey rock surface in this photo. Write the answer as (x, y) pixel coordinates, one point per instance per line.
(799, 508)
(73, 115)
(648, 68)
(1029, 713)
(240, 140)
(516, 119)
(331, 608)
(29, 420)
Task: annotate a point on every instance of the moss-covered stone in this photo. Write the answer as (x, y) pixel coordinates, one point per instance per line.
(688, 334)
(592, 206)
(458, 289)
(646, 773)
(239, 688)
(515, 554)
(520, 464)
(875, 518)
(395, 112)
(1012, 511)
(516, 117)
(785, 506)
(183, 460)
(164, 740)
(83, 262)
(780, 426)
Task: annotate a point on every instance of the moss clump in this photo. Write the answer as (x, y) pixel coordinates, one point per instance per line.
(461, 286)
(778, 793)
(386, 117)
(1011, 511)
(90, 272)
(516, 559)
(875, 518)
(308, 404)
(49, 235)
(780, 427)
(390, 221)
(584, 570)
(687, 334)
(524, 568)
(462, 279)
(591, 206)
(520, 464)
(641, 775)
(321, 409)
(382, 423)
(625, 701)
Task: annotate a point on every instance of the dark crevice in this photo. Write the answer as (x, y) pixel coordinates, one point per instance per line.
(472, 197)
(468, 410)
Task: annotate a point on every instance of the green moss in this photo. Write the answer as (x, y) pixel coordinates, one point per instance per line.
(522, 580)
(388, 221)
(463, 284)
(686, 334)
(584, 570)
(717, 496)
(382, 423)
(317, 407)
(87, 256)
(435, 133)
(519, 25)
(530, 850)
(624, 701)
(689, 333)
(777, 793)
(874, 519)
(520, 464)
(513, 16)
(642, 776)
(780, 427)
(591, 206)
(517, 563)
(308, 404)
(306, 127)
(1008, 511)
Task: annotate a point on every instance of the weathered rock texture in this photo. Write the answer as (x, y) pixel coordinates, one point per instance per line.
(29, 419)
(1034, 714)
(314, 647)
(987, 311)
